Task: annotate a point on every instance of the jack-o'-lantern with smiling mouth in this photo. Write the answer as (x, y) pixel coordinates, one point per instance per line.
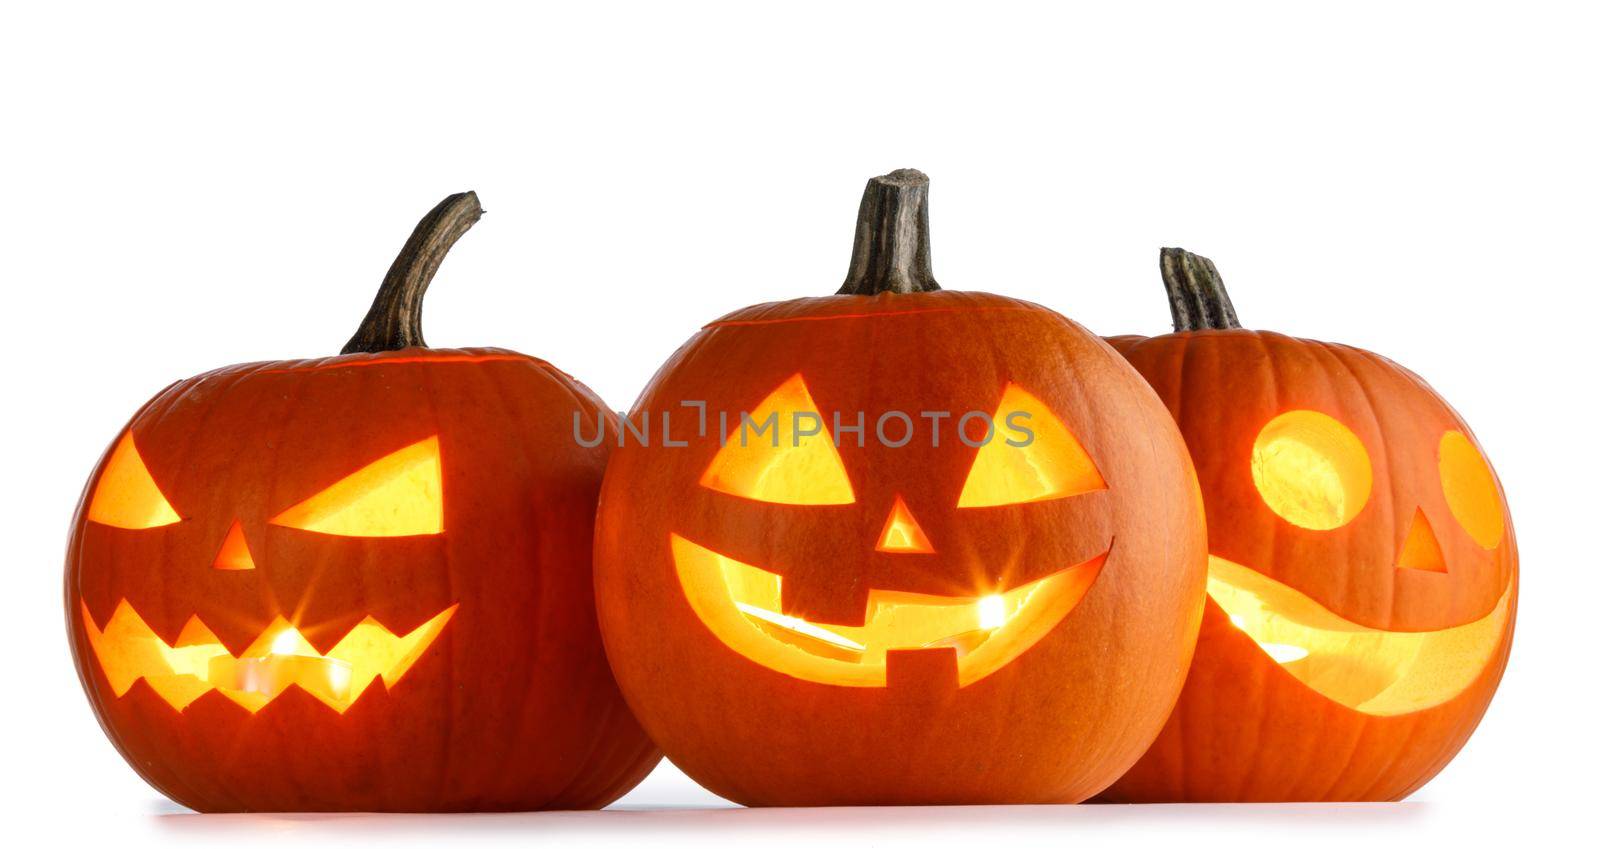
(1363, 571)
(356, 583)
(899, 545)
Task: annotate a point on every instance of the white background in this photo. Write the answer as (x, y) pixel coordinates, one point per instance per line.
(187, 186)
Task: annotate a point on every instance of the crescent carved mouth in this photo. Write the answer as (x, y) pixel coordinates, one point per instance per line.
(741, 605)
(197, 662)
(1376, 672)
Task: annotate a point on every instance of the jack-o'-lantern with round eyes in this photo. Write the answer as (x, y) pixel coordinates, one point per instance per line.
(950, 549)
(356, 583)
(1363, 571)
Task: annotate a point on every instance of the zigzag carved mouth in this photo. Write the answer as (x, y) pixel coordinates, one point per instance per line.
(197, 663)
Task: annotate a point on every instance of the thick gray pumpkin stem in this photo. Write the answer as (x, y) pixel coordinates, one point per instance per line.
(395, 320)
(891, 249)
(1195, 292)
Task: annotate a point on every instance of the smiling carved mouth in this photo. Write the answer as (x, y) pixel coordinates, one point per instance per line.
(197, 662)
(1376, 672)
(740, 603)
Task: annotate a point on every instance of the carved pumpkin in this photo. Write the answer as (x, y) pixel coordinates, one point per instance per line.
(356, 583)
(1363, 570)
(846, 609)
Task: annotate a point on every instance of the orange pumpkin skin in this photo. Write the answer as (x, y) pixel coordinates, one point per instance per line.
(1054, 724)
(1245, 729)
(510, 707)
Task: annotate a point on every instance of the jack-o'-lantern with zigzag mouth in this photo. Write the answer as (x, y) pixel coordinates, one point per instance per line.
(1363, 571)
(356, 583)
(847, 609)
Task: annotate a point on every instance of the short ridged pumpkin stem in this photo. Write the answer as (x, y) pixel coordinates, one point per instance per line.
(395, 320)
(891, 249)
(1195, 292)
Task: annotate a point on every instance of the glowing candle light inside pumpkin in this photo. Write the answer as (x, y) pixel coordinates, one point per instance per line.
(286, 642)
(287, 662)
(991, 611)
(271, 675)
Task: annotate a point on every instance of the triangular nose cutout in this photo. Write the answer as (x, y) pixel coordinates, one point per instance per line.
(235, 553)
(1421, 548)
(901, 533)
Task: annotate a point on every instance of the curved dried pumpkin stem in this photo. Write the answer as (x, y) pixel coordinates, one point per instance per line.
(891, 248)
(1195, 292)
(395, 320)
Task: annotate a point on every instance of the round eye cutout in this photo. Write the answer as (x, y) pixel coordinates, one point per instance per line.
(1469, 489)
(1311, 470)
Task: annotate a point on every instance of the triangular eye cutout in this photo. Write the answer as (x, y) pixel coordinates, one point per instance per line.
(791, 460)
(235, 553)
(127, 496)
(1421, 548)
(400, 495)
(1052, 465)
(901, 533)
